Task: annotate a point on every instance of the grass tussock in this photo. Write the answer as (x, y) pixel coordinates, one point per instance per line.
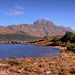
(64, 64)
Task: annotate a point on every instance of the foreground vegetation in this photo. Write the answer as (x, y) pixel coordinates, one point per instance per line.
(64, 64)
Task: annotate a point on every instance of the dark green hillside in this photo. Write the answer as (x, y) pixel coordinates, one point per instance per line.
(17, 37)
(69, 36)
(67, 40)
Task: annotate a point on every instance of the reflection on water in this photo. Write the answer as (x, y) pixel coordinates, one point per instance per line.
(19, 50)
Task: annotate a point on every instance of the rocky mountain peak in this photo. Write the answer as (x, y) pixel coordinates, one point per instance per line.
(40, 28)
(44, 22)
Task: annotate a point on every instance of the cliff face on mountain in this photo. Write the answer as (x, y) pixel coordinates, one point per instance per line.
(40, 28)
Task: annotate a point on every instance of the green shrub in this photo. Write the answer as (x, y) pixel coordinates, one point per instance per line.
(68, 36)
(71, 48)
(58, 43)
(25, 56)
(15, 62)
(14, 57)
(66, 44)
(45, 38)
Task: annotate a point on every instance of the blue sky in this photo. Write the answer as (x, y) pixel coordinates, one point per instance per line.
(61, 12)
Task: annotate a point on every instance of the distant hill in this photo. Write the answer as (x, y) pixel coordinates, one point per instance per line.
(17, 37)
(40, 28)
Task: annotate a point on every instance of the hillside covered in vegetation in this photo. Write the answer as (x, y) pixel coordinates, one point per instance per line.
(17, 37)
(67, 40)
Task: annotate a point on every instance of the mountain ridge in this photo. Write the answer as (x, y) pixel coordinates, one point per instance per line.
(39, 28)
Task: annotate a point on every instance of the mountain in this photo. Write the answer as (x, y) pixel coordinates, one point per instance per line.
(39, 28)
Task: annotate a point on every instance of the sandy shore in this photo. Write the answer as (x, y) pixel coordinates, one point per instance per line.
(59, 47)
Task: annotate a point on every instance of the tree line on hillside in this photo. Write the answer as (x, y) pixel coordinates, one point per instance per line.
(17, 37)
(68, 40)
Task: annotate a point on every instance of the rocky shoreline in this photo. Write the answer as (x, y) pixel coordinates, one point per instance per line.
(13, 42)
(28, 42)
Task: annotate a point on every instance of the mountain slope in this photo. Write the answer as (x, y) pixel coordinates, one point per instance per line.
(17, 37)
(40, 28)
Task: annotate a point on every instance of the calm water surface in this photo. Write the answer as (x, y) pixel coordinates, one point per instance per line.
(19, 50)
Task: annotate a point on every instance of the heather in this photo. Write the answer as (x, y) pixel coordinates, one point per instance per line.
(64, 64)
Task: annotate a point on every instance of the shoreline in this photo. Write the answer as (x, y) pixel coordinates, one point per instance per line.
(13, 42)
(27, 42)
(59, 47)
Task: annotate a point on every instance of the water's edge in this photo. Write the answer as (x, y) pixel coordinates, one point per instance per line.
(33, 51)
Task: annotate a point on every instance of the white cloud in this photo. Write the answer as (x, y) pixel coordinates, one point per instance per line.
(19, 7)
(18, 10)
(11, 12)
